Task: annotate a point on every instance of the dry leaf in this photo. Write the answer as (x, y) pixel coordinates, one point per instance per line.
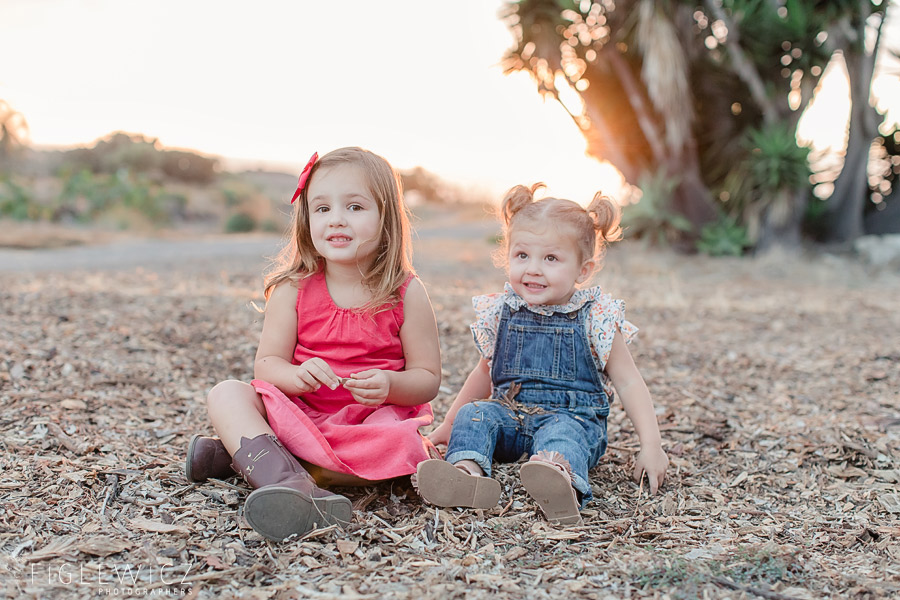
(102, 545)
(347, 547)
(891, 475)
(159, 527)
(890, 502)
(845, 472)
(514, 553)
(72, 404)
(57, 547)
(215, 562)
(739, 479)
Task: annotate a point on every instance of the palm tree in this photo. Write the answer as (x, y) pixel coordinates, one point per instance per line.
(636, 108)
(699, 94)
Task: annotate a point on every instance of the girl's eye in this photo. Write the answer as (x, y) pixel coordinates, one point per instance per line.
(321, 209)
(551, 258)
(354, 207)
(521, 255)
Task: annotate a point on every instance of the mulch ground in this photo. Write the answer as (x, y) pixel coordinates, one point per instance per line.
(775, 380)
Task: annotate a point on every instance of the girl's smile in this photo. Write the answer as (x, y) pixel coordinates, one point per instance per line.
(339, 241)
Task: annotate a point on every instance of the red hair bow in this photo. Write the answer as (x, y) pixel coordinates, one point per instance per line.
(304, 176)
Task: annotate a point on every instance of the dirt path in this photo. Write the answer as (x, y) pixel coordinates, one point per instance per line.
(119, 252)
(776, 383)
(147, 253)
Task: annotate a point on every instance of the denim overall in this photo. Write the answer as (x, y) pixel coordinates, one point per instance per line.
(561, 404)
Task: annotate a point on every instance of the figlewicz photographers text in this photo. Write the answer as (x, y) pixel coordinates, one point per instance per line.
(115, 579)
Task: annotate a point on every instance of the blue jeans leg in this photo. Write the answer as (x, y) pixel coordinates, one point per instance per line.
(483, 432)
(578, 439)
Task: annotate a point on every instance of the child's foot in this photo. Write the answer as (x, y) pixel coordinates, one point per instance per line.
(443, 484)
(546, 479)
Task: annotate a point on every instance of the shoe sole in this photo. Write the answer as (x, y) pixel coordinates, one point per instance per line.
(552, 491)
(280, 512)
(442, 484)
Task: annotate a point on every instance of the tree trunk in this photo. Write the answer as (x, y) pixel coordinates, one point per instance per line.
(885, 221)
(782, 220)
(616, 143)
(692, 197)
(844, 216)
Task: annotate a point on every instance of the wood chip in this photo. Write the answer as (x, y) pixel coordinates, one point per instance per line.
(102, 545)
(159, 527)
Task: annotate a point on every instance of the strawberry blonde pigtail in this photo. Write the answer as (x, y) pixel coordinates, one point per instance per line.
(606, 216)
(517, 198)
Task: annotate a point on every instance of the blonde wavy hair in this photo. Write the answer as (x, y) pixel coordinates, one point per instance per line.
(392, 266)
(592, 228)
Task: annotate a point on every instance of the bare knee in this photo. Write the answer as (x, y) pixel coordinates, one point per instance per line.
(226, 395)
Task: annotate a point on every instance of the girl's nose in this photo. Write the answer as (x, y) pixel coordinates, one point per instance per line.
(338, 218)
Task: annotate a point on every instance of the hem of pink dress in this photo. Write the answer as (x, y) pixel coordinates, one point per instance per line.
(296, 430)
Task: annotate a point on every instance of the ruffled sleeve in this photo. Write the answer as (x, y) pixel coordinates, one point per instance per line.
(606, 317)
(487, 321)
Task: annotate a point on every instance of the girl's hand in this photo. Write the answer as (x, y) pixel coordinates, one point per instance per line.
(369, 388)
(312, 374)
(441, 434)
(654, 462)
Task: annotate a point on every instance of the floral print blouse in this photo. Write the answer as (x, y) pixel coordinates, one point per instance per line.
(607, 315)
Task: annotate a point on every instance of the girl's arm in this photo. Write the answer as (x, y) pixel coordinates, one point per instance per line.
(476, 387)
(276, 348)
(420, 380)
(635, 396)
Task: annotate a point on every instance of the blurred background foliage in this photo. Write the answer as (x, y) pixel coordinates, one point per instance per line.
(129, 181)
(697, 103)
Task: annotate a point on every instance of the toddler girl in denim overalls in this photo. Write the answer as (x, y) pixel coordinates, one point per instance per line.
(549, 352)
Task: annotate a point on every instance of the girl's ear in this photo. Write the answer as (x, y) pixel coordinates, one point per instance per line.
(587, 269)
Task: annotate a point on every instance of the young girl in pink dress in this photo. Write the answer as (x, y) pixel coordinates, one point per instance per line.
(348, 358)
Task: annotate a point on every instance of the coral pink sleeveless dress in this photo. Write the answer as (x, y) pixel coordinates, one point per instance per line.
(328, 427)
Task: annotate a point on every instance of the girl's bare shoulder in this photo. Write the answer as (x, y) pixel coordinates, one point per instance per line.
(284, 294)
(416, 292)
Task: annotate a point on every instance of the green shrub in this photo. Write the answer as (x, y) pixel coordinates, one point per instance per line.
(652, 218)
(270, 226)
(775, 160)
(15, 201)
(188, 166)
(762, 188)
(87, 196)
(232, 198)
(138, 154)
(724, 237)
(240, 223)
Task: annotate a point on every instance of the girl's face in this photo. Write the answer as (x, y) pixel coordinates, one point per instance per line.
(344, 220)
(545, 264)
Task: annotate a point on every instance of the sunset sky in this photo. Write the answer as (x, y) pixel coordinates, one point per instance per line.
(417, 81)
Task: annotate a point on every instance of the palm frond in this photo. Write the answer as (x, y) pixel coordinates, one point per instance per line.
(665, 72)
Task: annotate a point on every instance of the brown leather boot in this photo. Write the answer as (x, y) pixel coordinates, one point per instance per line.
(286, 500)
(207, 457)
